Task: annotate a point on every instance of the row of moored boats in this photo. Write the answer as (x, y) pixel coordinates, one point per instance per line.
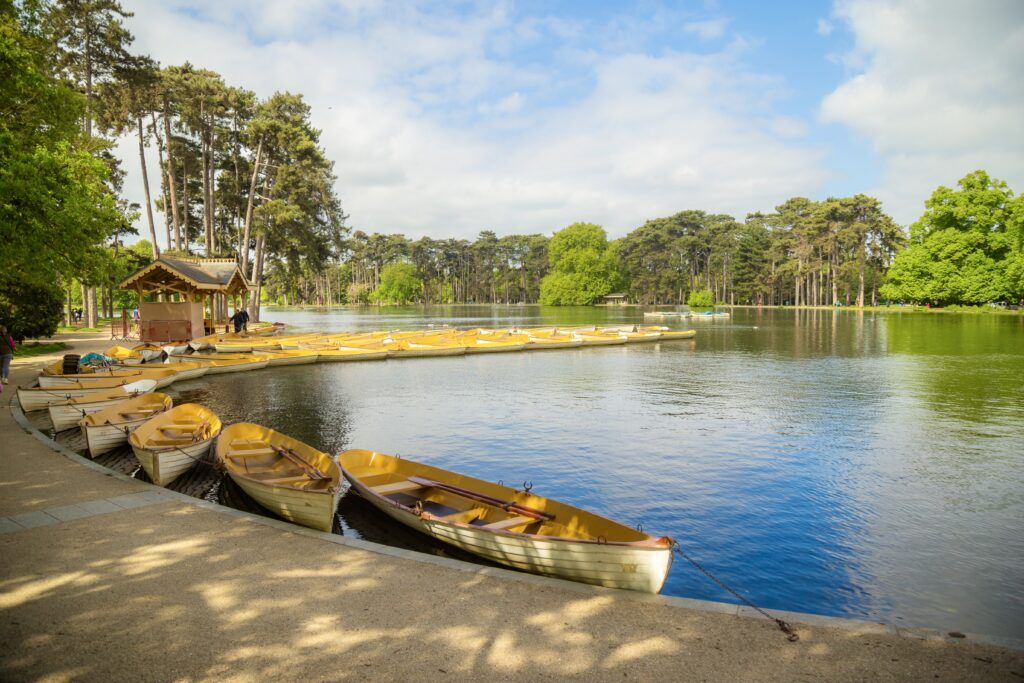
(119, 404)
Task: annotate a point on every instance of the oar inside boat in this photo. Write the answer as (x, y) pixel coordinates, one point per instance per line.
(508, 505)
(311, 470)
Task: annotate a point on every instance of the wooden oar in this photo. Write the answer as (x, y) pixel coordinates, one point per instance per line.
(311, 470)
(509, 505)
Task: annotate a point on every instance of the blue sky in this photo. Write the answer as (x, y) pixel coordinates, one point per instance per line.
(450, 118)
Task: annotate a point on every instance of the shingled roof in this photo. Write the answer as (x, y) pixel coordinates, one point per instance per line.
(197, 273)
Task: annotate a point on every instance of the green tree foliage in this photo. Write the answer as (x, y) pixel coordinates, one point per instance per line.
(29, 310)
(55, 210)
(700, 298)
(965, 249)
(398, 284)
(584, 266)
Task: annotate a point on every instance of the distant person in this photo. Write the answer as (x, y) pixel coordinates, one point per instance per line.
(135, 314)
(6, 353)
(238, 320)
(245, 319)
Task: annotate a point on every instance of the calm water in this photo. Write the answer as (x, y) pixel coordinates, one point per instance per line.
(862, 465)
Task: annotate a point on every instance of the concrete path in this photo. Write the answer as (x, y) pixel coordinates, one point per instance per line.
(106, 579)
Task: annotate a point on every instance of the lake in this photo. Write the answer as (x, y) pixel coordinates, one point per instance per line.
(866, 465)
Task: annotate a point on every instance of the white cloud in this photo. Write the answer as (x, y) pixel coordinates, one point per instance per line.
(940, 92)
(825, 27)
(709, 29)
(434, 130)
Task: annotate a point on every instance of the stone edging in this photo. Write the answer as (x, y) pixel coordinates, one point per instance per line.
(816, 620)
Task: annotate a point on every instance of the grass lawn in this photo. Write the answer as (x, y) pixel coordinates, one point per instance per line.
(65, 328)
(30, 349)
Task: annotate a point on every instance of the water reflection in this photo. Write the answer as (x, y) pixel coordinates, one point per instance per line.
(835, 462)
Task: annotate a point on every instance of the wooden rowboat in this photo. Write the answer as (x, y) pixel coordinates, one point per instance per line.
(162, 375)
(487, 344)
(514, 528)
(599, 338)
(37, 398)
(109, 428)
(66, 414)
(289, 478)
(677, 334)
(351, 353)
(414, 349)
(170, 443)
(290, 356)
(224, 362)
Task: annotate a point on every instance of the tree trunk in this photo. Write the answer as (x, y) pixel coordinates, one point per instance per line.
(170, 172)
(860, 281)
(204, 143)
(186, 240)
(163, 182)
(93, 319)
(145, 188)
(248, 209)
(254, 305)
(67, 313)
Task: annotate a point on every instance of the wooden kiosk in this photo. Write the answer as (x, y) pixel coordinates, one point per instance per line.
(188, 297)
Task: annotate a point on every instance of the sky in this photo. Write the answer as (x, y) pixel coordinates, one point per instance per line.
(447, 118)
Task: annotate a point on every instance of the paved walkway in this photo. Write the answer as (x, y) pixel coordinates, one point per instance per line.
(107, 579)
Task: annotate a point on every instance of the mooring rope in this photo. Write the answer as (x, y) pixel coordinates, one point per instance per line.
(784, 626)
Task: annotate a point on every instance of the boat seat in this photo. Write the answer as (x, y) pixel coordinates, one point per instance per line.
(276, 476)
(253, 451)
(395, 487)
(508, 523)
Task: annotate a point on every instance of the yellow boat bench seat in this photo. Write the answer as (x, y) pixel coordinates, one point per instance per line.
(395, 487)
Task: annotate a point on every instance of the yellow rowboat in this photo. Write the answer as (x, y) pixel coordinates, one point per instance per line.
(220, 367)
(351, 353)
(515, 528)
(289, 478)
(208, 357)
(297, 341)
(173, 441)
(599, 338)
(640, 336)
(185, 369)
(39, 398)
(558, 341)
(220, 363)
(121, 354)
(677, 334)
(176, 347)
(107, 429)
(416, 349)
(290, 356)
(66, 414)
(482, 344)
(246, 346)
(148, 351)
(163, 376)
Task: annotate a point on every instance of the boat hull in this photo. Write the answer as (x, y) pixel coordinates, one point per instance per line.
(429, 352)
(66, 416)
(39, 399)
(602, 341)
(339, 356)
(167, 464)
(102, 439)
(638, 568)
(221, 367)
(310, 509)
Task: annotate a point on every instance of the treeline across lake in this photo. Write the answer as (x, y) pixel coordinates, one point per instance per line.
(844, 251)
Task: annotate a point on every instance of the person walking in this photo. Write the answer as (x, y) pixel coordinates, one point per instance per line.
(237, 320)
(6, 353)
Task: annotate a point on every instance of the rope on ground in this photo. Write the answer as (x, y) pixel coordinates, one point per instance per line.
(784, 626)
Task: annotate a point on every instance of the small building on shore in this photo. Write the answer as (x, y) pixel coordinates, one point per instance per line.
(616, 299)
(181, 298)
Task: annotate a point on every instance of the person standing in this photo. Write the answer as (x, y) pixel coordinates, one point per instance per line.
(6, 353)
(236, 320)
(245, 319)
